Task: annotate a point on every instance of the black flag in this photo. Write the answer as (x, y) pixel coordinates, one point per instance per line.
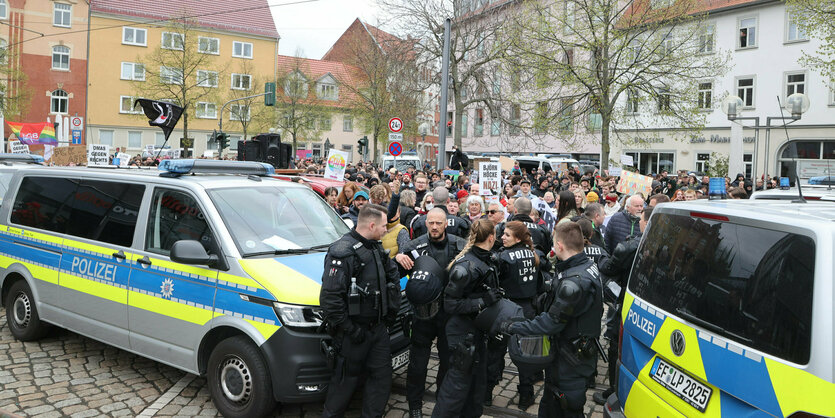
(162, 114)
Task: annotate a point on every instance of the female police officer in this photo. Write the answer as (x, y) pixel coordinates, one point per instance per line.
(472, 287)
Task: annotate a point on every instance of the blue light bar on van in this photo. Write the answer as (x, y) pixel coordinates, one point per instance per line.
(822, 180)
(21, 158)
(784, 183)
(189, 166)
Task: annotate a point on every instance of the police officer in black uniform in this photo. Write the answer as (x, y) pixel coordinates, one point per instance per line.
(473, 285)
(441, 247)
(520, 277)
(455, 225)
(540, 235)
(573, 322)
(595, 252)
(360, 295)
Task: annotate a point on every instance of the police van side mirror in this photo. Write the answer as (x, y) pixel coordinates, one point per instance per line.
(191, 252)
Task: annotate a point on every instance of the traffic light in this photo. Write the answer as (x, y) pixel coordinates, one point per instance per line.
(363, 144)
(269, 97)
(223, 141)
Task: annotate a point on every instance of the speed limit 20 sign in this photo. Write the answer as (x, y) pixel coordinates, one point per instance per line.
(395, 124)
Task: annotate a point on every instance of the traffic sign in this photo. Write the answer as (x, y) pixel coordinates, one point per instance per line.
(77, 123)
(395, 148)
(394, 136)
(395, 124)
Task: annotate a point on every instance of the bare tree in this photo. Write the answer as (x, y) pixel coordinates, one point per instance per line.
(577, 59)
(475, 46)
(816, 18)
(250, 113)
(299, 110)
(177, 71)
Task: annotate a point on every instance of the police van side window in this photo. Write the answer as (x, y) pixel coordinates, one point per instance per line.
(44, 203)
(106, 211)
(175, 216)
(750, 285)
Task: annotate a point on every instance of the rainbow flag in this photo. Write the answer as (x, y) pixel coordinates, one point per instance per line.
(34, 133)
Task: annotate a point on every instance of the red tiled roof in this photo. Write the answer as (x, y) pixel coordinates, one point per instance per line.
(315, 69)
(641, 12)
(244, 16)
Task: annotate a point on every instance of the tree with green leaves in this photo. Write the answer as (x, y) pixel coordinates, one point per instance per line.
(299, 111)
(616, 66)
(15, 96)
(816, 18)
(178, 72)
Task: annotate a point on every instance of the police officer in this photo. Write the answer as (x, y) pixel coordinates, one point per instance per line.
(455, 225)
(573, 322)
(473, 285)
(539, 234)
(521, 280)
(595, 252)
(442, 248)
(360, 295)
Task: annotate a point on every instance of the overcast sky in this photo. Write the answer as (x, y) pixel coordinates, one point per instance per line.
(315, 26)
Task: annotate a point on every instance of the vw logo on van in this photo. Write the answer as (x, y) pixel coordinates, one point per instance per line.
(677, 343)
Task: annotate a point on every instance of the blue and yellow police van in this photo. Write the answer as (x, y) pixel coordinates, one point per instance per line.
(729, 313)
(212, 267)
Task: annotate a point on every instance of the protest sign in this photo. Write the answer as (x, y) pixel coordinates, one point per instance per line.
(75, 155)
(123, 158)
(631, 183)
(98, 154)
(490, 178)
(18, 147)
(335, 167)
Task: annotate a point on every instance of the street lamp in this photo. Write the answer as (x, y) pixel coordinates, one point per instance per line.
(796, 104)
(423, 129)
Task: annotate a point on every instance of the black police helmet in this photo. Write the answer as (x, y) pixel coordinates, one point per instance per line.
(424, 287)
(492, 317)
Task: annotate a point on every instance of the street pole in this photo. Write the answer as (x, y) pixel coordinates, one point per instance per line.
(444, 94)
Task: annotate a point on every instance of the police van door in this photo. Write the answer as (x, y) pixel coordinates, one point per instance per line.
(94, 268)
(170, 305)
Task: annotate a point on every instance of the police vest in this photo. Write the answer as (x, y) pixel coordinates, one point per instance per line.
(585, 321)
(518, 273)
(371, 278)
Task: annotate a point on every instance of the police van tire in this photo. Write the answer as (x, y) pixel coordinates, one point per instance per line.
(239, 380)
(22, 313)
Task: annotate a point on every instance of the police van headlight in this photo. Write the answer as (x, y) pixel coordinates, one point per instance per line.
(298, 315)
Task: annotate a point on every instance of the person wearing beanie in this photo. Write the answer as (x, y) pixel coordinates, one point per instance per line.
(462, 196)
(611, 207)
(592, 197)
(360, 198)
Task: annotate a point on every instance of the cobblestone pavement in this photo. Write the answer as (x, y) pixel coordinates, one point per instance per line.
(66, 374)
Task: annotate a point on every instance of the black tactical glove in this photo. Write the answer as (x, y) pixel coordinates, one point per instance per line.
(492, 296)
(357, 334)
(504, 327)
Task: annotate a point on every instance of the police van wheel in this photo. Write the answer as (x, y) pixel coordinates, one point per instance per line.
(238, 379)
(22, 313)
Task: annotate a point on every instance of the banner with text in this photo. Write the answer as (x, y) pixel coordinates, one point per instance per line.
(16, 147)
(489, 178)
(335, 167)
(631, 183)
(98, 154)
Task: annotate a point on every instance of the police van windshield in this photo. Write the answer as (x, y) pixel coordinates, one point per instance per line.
(267, 219)
(747, 284)
(402, 164)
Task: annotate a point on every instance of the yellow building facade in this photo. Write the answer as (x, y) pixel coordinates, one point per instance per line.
(233, 64)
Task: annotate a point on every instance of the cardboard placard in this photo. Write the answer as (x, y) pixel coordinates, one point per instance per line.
(123, 159)
(490, 178)
(69, 155)
(98, 154)
(631, 183)
(17, 147)
(335, 167)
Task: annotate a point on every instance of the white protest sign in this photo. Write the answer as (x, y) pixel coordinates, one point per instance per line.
(98, 154)
(18, 148)
(335, 167)
(626, 160)
(489, 178)
(615, 171)
(175, 154)
(124, 159)
(150, 149)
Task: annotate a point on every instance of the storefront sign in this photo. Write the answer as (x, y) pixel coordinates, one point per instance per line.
(815, 168)
(716, 139)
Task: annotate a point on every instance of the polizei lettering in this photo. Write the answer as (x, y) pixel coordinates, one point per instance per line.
(521, 254)
(641, 323)
(92, 268)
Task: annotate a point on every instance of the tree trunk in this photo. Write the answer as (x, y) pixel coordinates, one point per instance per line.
(185, 134)
(456, 127)
(294, 146)
(374, 139)
(604, 141)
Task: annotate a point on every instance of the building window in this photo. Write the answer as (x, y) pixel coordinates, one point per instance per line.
(241, 81)
(159, 139)
(745, 90)
(515, 119)
(632, 100)
(478, 128)
(317, 150)
(134, 36)
(241, 49)
(706, 39)
(170, 75)
(325, 123)
(748, 32)
(60, 57)
(126, 105)
(172, 40)
(653, 162)
(4, 9)
(706, 95)
(207, 45)
(748, 161)
(794, 32)
(59, 102)
(133, 71)
(134, 139)
(350, 150)
(295, 85)
(667, 45)
(495, 124)
(566, 122)
(664, 100)
(239, 112)
(795, 83)
(206, 110)
(327, 91)
(106, 137)
(61, 15)
(206, 78)
(701, 162)
(347, 124)
(595, 122)
(449, 122)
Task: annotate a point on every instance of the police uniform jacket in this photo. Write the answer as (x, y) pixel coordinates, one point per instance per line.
(518, 273)
(469, 279)
(455, 225)
(539, 234)
(442, 251)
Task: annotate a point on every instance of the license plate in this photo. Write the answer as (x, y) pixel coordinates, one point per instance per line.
(400, 360)
(681, 384)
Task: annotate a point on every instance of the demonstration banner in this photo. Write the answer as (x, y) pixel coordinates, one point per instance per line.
(98, 155)
(489, 178)
(17, 148)
(631, 183)
(34, 133)
(335, 167)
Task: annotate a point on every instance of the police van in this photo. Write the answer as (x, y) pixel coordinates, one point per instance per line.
(728, 312)
(214, 274)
